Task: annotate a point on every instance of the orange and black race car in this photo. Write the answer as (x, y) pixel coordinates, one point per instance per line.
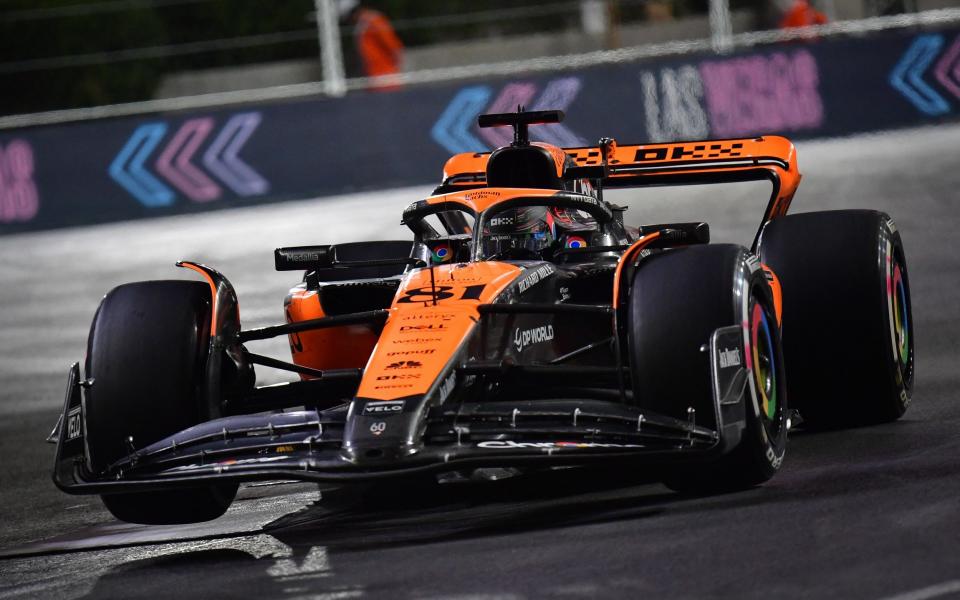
(523, 326)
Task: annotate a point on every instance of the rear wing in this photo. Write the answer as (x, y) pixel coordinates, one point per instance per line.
(608, 164)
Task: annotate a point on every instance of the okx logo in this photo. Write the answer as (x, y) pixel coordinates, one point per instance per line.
(153, 167)
(456, 128)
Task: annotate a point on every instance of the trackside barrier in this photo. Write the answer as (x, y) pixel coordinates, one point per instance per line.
(168, 163)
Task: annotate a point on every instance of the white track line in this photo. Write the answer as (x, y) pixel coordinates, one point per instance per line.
(933, 591)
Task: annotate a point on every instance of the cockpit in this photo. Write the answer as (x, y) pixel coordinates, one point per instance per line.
(514, 225)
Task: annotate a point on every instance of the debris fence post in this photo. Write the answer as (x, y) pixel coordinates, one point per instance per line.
(331, 58)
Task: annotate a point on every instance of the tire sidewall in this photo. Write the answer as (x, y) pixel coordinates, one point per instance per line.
(765, 440)
(890, 252)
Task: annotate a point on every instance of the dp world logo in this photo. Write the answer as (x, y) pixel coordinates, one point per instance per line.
(197, 160)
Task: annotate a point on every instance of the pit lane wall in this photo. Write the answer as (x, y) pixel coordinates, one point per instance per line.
(162, 164)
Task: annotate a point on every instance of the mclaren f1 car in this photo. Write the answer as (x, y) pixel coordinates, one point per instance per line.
(524, 325)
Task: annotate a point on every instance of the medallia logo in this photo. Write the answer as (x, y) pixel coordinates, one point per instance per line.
(522, 338)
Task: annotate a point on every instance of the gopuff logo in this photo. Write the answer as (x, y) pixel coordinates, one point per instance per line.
(522, 338)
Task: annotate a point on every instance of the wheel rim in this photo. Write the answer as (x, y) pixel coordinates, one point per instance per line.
(764, 361)
(901, 322)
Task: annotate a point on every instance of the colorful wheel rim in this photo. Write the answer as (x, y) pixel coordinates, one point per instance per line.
(764, 361)
(901, 324)
(442, 253)
(576, 242)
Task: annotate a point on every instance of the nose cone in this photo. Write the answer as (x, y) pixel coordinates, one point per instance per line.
(373, 435)
(376, 454)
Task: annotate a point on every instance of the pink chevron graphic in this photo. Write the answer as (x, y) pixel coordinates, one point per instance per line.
(947, 70)
(559, 94)
(174, 162)
(222, 159)
(19, 196)
(510, 96)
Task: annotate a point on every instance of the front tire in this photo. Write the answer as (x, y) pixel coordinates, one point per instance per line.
(678, 299)
(146, 355)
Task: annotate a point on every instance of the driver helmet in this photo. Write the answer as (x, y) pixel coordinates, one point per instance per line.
(514, 230)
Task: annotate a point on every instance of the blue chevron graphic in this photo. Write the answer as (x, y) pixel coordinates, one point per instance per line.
(452, 129)
(907, 76)
(130, 172)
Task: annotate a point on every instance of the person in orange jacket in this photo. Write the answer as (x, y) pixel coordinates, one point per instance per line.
(801, 14)
(378, 46)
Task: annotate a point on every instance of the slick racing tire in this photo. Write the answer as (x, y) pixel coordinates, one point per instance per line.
(677, 300)
(146, 354)
(847, 324)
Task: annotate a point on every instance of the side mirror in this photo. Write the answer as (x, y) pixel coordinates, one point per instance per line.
(303, 258)
(677, 234)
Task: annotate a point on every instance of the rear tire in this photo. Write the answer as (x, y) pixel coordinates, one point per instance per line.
(146, 354)
(678, 299)
(847, 323)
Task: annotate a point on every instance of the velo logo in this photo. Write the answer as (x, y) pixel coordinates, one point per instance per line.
(455, 128)
(175, 164)
(19, 199)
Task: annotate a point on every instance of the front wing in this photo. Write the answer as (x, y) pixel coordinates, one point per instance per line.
(308, 444)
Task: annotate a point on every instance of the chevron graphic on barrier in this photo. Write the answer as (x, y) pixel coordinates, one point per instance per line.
(907, 75)
(19, 193)
(452, 129)
(559, 94)
(511, 96)
(127, 168)
(174, 162)
(947, 70)
(221, 157)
